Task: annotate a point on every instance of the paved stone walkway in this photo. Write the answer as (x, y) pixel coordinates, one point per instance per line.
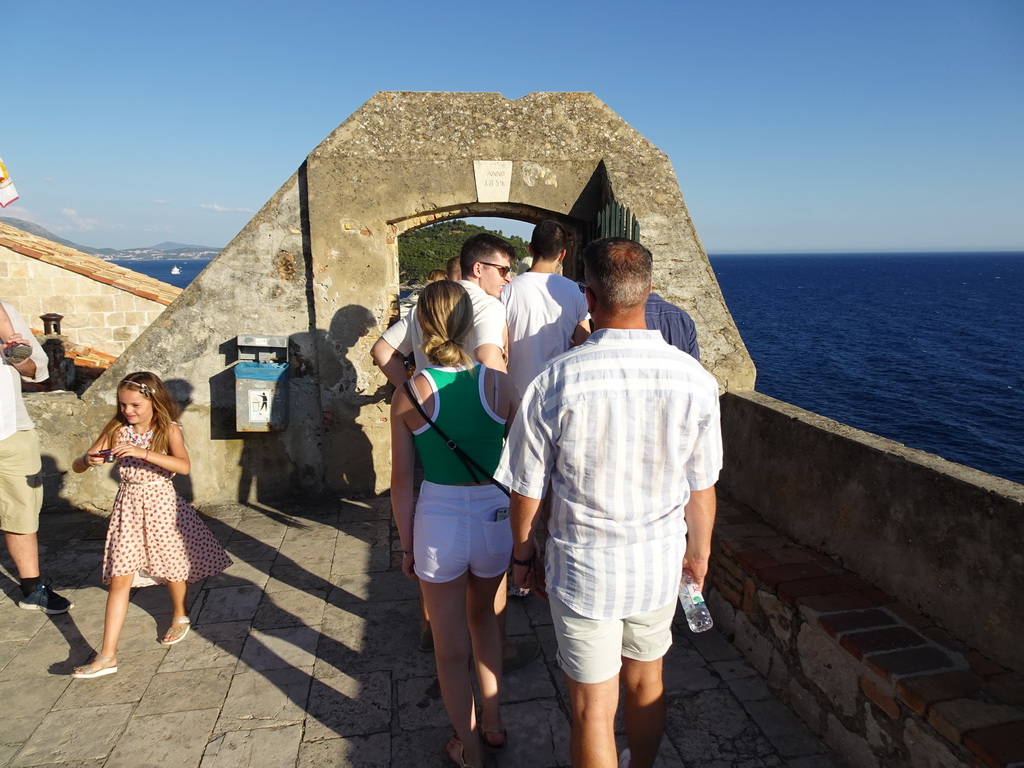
(304, 654)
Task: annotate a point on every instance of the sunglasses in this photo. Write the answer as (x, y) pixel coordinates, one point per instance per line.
(500, 267)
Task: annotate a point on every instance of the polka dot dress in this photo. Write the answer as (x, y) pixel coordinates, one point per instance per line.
(153, 532)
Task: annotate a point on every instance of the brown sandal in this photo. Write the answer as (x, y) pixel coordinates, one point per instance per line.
(487, 733)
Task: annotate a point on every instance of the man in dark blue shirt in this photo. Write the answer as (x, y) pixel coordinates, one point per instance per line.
(675, 325)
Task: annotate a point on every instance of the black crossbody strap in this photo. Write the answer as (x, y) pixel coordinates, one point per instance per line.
(464, 457)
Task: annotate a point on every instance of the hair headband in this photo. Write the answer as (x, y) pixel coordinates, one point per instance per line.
(143, 388)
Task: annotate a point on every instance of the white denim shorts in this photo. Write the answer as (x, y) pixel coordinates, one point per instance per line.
(591, 650)
(455, 531)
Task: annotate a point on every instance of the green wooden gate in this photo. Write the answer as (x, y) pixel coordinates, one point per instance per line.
(614, 220)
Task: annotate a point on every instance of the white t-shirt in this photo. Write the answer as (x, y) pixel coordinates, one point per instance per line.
(15, 417)
(488, 327)
(542, 311)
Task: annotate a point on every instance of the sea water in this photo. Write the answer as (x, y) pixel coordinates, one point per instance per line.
(163, 269)
(924, 349)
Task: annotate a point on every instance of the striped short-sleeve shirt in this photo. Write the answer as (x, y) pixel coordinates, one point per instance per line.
(623, 427)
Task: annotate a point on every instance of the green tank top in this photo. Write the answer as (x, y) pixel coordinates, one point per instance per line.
(462, 413)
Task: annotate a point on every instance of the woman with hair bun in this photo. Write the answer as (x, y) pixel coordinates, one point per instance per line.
(459, 541)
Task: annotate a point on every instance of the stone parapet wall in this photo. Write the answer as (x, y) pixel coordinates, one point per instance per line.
(883, 685)
(96, 314)
(942, 537)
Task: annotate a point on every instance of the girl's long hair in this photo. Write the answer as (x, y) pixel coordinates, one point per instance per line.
(165, 409)
(445, 315)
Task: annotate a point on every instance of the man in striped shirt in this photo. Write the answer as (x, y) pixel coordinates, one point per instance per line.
(626, 429)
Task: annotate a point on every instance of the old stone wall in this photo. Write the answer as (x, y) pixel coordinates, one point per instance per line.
(942, 538)
(96, 314)
(257, 285)
(319, 264)
(882, 684)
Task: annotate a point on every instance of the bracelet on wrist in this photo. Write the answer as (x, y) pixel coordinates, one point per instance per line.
(406, 552)
(525, 563)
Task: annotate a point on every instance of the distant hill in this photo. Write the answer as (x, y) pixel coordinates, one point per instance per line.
(38, 231)
(418, 252)
(179, 247)
(430, 248)
(159, 251)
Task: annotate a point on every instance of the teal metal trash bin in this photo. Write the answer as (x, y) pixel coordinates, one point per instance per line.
(261, 383)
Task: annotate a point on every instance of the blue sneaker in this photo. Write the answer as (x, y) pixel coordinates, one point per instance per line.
(46, 600)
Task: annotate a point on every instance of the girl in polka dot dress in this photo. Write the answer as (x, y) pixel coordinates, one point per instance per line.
(154, 536)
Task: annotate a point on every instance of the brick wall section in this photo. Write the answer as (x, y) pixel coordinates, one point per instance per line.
(882, 684)
(105, 306)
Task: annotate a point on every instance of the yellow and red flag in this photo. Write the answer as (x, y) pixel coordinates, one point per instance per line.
(8, 194)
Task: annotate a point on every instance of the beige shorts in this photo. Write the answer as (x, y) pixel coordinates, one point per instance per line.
(21, 482)
(591, 650)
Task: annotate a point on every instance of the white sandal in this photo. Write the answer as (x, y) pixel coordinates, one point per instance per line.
(177, 631)
(98, 667)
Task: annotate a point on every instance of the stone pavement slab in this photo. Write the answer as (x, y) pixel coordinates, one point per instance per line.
(304, 654)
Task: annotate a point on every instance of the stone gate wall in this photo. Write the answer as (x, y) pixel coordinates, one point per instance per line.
(319, 264)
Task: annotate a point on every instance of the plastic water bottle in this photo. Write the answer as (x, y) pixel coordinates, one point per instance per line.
(696, 610)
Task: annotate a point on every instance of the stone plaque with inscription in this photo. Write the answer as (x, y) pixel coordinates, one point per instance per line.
(493, 180)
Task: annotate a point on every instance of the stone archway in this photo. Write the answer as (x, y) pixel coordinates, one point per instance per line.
(319, 264)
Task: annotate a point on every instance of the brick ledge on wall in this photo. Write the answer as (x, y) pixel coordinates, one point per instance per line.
(884, 685)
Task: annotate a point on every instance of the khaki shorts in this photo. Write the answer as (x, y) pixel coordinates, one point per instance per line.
(21, 483)
(591, 650)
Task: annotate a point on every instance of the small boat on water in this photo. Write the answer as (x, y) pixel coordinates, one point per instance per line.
(175, 270)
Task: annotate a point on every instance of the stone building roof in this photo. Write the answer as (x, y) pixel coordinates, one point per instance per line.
(89, 266)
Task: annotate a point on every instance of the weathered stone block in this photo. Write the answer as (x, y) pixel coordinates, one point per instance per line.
(847, 621)
(749, 590)
(723, 612)
(752, 644)
(806, 704)
(780, 616)
(880, 697)
(1007, 688)
(779, 673)
(998, 745)
(854, 748)
(830, 668)
(926, 750)
(920, 693)
(877, 730)
(955, 718)
(896, 665)
(868, 641)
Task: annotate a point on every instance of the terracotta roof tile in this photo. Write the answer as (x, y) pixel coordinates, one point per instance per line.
(83, 264)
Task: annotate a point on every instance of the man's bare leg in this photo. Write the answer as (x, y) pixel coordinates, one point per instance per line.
(24, 551)
(593, 722)
(645, 710)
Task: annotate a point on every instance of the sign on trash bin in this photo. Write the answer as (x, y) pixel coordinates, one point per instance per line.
(261, 396)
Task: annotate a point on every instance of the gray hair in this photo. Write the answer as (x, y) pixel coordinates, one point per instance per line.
(618, 272)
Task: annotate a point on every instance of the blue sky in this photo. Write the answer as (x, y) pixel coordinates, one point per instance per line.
(792, 126)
